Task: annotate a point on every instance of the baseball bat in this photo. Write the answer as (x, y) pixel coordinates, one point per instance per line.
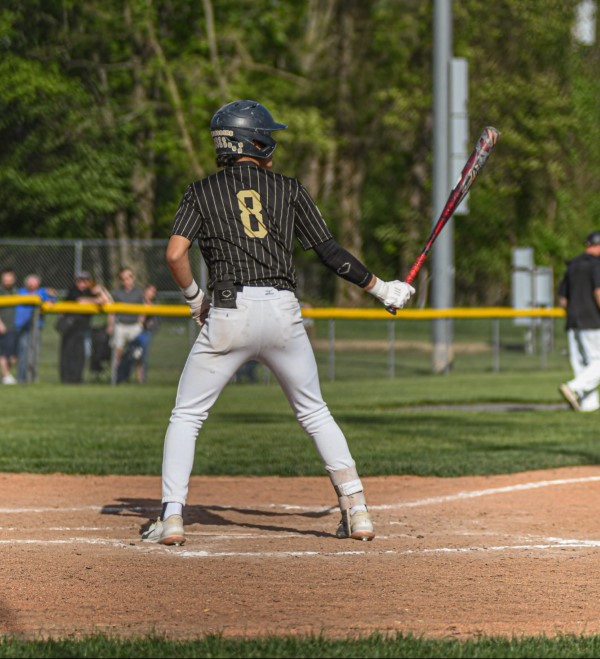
(470, 171)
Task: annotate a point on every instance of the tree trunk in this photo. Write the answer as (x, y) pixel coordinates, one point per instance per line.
(176, 100)
(350, 167)
(211, 37)
(351, 179)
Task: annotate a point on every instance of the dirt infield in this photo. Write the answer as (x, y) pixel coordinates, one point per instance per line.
(499, 555)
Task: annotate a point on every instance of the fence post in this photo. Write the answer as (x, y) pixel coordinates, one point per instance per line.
(113, 365)
(33, 347)
(78, 257)
(545, 341)
(331, 349)
(496, 345)
(392, 338)
(449, 358)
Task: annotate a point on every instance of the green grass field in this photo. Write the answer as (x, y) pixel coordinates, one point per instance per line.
(292, 647)
(99, 429)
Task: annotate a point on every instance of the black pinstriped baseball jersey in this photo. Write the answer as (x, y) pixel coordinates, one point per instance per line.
(245, 219)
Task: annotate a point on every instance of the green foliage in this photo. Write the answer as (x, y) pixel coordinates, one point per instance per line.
(526, 195)
(56, 176)
(104, 109)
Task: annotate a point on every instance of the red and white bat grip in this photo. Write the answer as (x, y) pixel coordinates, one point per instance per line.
(414, 271)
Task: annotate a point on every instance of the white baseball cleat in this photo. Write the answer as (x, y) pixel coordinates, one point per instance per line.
(358, 526)
(166, 532)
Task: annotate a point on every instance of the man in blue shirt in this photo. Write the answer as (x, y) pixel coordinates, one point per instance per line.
(28, 340)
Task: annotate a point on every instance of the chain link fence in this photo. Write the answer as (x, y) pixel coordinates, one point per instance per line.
(345, 349)
(58, 261)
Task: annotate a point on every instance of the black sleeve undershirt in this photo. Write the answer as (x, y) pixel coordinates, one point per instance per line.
(346, 266)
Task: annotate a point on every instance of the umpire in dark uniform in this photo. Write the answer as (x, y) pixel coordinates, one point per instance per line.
(245, 219)
(579, 294)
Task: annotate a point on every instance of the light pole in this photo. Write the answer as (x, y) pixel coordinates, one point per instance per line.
(442, 268)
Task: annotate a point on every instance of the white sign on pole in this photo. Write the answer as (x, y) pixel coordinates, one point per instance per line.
(458, 151)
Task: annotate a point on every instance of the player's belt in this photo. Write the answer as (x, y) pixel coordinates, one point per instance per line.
(259, 292)
(239, 288)
(225, 293)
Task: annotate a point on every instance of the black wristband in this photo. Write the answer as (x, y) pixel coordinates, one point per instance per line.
(192, 296)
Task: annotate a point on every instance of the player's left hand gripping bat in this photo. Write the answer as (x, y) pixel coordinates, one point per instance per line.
(470, 171)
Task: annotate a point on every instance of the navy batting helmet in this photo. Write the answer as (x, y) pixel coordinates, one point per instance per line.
(243, 128)
(593, 238)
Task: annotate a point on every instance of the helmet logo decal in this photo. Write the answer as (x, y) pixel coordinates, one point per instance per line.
(221, 142)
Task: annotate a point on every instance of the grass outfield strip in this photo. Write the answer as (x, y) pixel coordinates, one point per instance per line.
(99, 429)
(312, 646)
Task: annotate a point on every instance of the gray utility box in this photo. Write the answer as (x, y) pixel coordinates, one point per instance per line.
(532, 286)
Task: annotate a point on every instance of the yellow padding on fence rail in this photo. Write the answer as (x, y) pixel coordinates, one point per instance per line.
(333, 313)
(429, 314)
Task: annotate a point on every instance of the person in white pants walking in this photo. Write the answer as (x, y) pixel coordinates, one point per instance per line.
(579, 294)
(245, 219)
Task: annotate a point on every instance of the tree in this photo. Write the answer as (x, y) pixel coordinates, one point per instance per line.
(105, 107)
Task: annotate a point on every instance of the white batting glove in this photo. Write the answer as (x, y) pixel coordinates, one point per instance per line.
(198, 302)
(393, 294)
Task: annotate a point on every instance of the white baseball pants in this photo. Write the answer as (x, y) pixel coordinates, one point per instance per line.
(584, 353)
(266, 326)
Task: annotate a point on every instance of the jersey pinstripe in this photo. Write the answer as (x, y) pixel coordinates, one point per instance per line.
(245, 219)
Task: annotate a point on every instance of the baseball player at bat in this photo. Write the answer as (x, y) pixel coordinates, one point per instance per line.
(245, 218)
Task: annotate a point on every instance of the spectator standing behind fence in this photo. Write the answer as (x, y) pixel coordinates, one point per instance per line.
(138, 349)
(74, 328)
(579, 294)
(28, 341)
(124, 327)
(8, 333)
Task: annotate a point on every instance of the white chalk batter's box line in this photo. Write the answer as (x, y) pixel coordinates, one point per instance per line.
(545, 544)
(430, 501)
(63, 528)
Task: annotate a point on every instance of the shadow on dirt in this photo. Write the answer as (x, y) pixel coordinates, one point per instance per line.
(8, 622)
(215, 515)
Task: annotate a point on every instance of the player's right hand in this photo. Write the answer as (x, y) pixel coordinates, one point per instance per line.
(199, 306)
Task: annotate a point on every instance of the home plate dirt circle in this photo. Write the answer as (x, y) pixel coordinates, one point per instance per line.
(509, 555)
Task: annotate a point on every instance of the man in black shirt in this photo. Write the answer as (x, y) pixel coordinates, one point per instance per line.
(8, 332)
(74, 328)
(579, 294)
(245, 219)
